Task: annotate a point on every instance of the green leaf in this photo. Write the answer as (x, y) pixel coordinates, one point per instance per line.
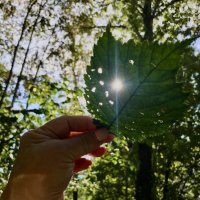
(150, 100)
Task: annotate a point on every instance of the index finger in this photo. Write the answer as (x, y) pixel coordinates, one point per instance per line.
(62, 126)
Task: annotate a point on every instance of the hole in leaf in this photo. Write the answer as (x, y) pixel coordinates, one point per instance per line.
(100, 103)
(93, 89)
(101, 82)
(111, 102)
(107, 93)
(158, 114)
(100, 70)
(131, 62)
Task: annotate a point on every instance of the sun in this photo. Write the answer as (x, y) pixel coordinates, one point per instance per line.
(117, 85)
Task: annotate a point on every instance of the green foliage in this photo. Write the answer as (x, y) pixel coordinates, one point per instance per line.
(175, 163)
(118, 182)
(111, 176)
(62, 44)
(44, 80)
(150, 100)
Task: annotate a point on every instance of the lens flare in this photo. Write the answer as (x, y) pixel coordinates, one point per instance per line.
(117, 85)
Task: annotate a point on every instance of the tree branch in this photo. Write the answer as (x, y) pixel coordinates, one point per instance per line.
(15, 51)
(166, 7)
(139, 6)
(40, 64)
(25, 57)
(3, 143)
(26, 111)
(137, 31)
(91, 27)
(157, 4)
(166, 179)
(139, 11)
(34, 79)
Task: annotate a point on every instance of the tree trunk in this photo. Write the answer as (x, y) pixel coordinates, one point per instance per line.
(148, 20)
(75, 195)
(167, 173)
(144, 175)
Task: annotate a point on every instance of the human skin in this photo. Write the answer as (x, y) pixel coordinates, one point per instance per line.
(49, 156)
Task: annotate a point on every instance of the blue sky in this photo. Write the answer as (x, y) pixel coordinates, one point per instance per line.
(197, 46)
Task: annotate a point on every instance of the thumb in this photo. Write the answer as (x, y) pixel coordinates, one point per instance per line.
(85, 143)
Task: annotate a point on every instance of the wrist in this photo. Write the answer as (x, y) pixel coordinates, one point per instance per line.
(29, 187)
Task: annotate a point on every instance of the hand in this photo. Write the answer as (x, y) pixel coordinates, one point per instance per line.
(49, 155)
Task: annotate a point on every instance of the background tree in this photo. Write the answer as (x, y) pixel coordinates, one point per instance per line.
(148, 34)
(43, 55)
(45, 47)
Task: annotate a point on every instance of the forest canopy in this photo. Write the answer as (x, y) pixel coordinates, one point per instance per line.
(48, 48)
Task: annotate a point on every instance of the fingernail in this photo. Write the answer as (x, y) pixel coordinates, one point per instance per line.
(110, 137)
(99, 124)
(99, 152)
(101, 134)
